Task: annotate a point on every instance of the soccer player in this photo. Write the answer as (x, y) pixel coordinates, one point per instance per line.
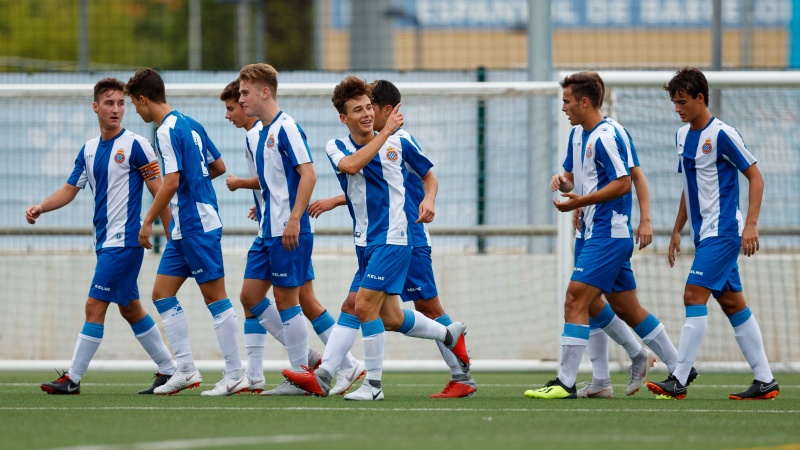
(254, 331)
(281, 255)
(420, 286)
(116, 165)
(371, 170)
(604, 260)
(710, 156)
(190, 161)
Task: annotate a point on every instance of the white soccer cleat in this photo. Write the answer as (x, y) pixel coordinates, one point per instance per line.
(345, 379)
(638, 370)
(285, 389)
(178, 382)
(596, 390)
(257, 385)
(366, 392)
(228, 386)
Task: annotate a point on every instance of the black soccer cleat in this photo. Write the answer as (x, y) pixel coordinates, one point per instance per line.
(62, 386)
(693, 374)
(670, 387)
(159, 379)
(758, 391)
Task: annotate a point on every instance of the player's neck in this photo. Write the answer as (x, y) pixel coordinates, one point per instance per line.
(159, 111)
(251, 123)
(592, 119)
(362, 138)
(270, 112)
(702, 119)
(108, 133)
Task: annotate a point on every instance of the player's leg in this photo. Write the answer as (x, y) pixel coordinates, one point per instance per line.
(322, 322)
(373, 338)
(600, 385)
(146, 332)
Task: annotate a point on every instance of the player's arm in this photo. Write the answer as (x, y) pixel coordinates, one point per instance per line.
(352, 164)
(153, 185)
(675, 239)
(563, 183)
(612, 190)
(308, 178)
(644, 232)
(233, 182)
(216, 168)
(427, 206)
(317, 207)
(60, 198)
(169, 187)
(755, 180)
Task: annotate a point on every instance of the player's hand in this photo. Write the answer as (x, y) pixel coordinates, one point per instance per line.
(572, 202)
(750, 240)
(252, 213)
(317, 207)
(426, 212)
(144, 235)
(674, 247)
(395, 120)
(577, 214)
(291, 235)
(555, 182)
(33, 213)
(644, 234)
(231, 182)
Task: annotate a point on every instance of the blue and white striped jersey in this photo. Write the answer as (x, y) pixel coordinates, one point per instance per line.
(376, 195)
(282, 145)
(415, 192)
(185, 147)
(710, 160)
(575, 150)
(250, 146)
(603, 158)
(116, 170)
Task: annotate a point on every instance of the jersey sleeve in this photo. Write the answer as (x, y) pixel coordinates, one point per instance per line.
(212, 153)
(633, 158)
(336, 152)
(416, 161)
(79, 177)
(249, 157)
(611, 152)
(143, 159)
(567, 160)
(293, 141)
(731, 147)
(167, 141)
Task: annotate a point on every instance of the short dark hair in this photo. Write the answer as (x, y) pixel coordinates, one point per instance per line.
(585, 84)
(384, 93)
(107, 84)
(231, 91)
(147, 82)
(689, 80)
(350, 88)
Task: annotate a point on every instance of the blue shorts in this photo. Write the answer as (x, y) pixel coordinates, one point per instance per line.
(605, 264)
(715, 266)
(383, 267)
(116, 273)
(419, 284)
(578, 247)
(198, 256)
(267, 259)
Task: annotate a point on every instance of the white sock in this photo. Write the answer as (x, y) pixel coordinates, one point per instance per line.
(270, 319)
(748, 335)
(422, 327)
(622, 334)
(571, 355)
(447, 355)
(149, 337)
(176, 327)
(226, 326)
(692, 333)
(89, 340)
(255, 340)
(662, 346)
(295, 331)
(338, 347)
(598, 354)
(373, 345)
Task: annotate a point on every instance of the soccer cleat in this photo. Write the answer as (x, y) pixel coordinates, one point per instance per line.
(228, 386)
(553, 389)
(178, 382)
(159, 379)
(346, 379)
(596, 390)
(638, 369)
(693, 374)
(459, 347)
(62, 386)
(285, 389)
(308, 381)
(367, 392)
(458, 389)
(257, 385)
(670, 387)
(758, 391)
(314, 358)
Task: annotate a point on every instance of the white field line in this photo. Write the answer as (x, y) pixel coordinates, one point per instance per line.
(233, 441)
(392, 410)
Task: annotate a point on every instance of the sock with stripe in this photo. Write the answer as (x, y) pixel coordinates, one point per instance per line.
(88, 341)
(149, 337)
(176, 327)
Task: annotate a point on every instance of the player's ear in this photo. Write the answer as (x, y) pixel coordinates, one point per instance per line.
(95, 107)
(343, 118)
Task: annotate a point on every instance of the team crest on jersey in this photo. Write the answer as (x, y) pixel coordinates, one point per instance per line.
(589, 151)
(391, 154)
(707, 146)
(271, 141)
(119, 158)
